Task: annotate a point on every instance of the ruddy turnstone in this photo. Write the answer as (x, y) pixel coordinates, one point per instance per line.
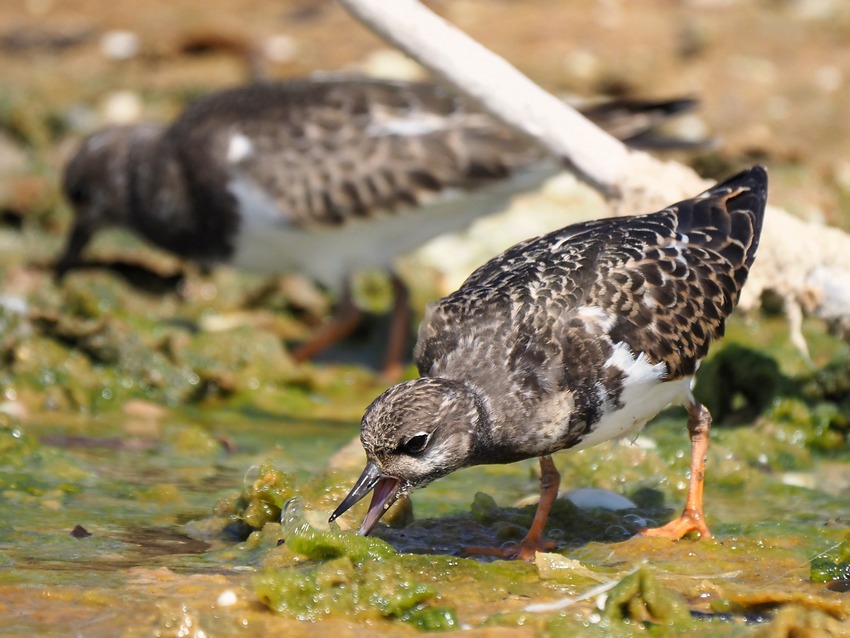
(564, 341)
(314, 176)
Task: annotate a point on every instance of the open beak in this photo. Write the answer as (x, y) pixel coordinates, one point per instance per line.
(386, 491)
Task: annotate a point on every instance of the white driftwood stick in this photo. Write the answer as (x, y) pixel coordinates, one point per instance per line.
(478, 73)
(807, 264)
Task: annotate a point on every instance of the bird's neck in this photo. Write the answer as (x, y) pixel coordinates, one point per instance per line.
(491, 446)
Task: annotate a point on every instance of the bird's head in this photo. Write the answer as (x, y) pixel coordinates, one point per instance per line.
(95, 183)
(414, 433)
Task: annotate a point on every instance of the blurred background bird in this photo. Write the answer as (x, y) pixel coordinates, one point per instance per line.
(324, 176)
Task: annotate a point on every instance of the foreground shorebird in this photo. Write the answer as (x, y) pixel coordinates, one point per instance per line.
(564, 341)
(317, 176)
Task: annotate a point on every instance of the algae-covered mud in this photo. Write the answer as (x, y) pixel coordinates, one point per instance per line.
(210, 518)
(166, 469)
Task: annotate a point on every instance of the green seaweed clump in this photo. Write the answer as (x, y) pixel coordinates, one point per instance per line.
(830, 383)
(267, 489)
(743, 383)
(341, 587)
(319, 544)
(828, 390)
(358, 577)
(30, 472)
(821, 425)
(832, 566)
(739, 379)
(638, 598)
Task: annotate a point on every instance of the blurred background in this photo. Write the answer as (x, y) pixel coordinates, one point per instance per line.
(772, 75)
(772, 78)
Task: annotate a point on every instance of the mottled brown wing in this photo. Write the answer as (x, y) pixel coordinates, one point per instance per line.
(662, 283)
(335, 148)
(673, 298)
(329, 150)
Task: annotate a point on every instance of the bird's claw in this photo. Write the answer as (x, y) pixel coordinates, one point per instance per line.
(525, 550)
(677, 528)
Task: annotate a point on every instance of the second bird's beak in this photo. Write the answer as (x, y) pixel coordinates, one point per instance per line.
(386, 490)
(79, 238)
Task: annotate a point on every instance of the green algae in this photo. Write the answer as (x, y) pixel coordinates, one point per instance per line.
(739, 379)
(321, 573)
(641, 599)
(744, 383)
(356, 577)
(327, 575)
(832, 565)
(30, 472)
(374, 589)
(266, 491)
(317, 544)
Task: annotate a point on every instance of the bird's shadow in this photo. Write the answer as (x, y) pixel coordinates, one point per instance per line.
(139, 276)
(488, 525)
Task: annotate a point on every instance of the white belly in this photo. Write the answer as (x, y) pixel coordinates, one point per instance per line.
(267, 243)
(645, 394)
(636, 413)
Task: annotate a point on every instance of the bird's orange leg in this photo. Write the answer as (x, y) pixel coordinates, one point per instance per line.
(692, 518)
(347, 316)
(399, 329)
(533, 542)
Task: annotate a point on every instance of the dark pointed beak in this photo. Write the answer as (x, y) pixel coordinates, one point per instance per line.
(386, 491)
(80, 236)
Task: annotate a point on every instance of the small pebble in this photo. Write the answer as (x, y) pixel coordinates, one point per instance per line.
(121, 107)
(589, 498)
(120, 45)
(80, 532)
(227, 598)
(280, 48)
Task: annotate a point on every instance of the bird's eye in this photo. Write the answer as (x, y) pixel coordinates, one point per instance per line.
(416, 443)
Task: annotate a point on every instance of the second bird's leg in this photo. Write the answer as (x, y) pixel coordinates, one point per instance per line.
(344, 321)
(692, 518)
(399, 329)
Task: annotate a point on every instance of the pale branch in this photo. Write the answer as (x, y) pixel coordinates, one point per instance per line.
(807, 264)
(594, 154)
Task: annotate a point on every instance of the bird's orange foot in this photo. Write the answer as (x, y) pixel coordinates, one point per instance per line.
(689, 521)
(524, 550)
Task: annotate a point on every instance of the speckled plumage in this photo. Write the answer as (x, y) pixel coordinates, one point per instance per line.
(551, 309)
(568, 339)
